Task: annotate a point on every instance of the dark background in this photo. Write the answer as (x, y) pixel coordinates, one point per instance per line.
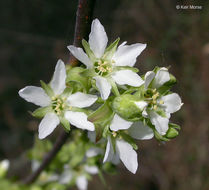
(34, 35)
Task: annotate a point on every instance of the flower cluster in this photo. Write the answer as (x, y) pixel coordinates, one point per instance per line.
(108, 98)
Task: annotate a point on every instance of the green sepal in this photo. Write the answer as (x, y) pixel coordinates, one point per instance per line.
(103, 113)
(67, 92)
(161, 112)
(175, 126)
(47, 88)
(118, 68)
(125, 106)
(110, 50)
(129, 139)
(65, 123)
(164, 89)
(41, 112)
(160, 137)
(110, 168)
(75, 75)
(88, 50)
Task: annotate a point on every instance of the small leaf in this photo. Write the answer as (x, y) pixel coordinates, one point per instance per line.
(47, 88)
(41, 112)
(88, 50)
(110, 50)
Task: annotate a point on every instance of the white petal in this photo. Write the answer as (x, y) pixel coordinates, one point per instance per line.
(149, 76)
(126, 54)
(172, 102)
(127, 155)
(160, 123)
(103, 86)
(119, 123)
(115, 159)
(58, 81)
(161, 77)
(97, 38)
(82, 182)
(141, 104)
(91, 169)
(66, 177)
(127, 77)
(79, 54)
(81, 100)
(144, 113)
(47, 125)
(35, 95)
(140, 131)
(93, 152)
(79, 119)
(109, 151)
(4, 164)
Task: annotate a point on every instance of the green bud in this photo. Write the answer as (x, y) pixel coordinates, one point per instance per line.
(41, 112)
(110, 50)
(159, 137)
(47, 88)
(125, 106)
(172, 133)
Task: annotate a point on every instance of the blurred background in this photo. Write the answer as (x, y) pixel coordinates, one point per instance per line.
(34, 34)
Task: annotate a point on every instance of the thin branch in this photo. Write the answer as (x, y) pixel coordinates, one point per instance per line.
(82, 29)
(83, 24)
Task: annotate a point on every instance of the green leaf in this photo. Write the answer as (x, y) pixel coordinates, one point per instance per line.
(47, 88)
(88, 50)
(129, 139)
(110, 50)
(65, 123)
(41, 112)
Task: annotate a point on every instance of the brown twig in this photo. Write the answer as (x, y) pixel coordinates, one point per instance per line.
(82, 28)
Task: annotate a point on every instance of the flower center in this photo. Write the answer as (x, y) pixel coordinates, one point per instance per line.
(152, 95)
(103, 67)
(58, 104)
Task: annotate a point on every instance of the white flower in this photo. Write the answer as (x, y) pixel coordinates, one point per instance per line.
(159, 108)
(60, 105)
(105, 67)
(123, 150)
(81, 179)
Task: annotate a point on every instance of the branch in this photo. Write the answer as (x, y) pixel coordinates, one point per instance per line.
(83, 24)
(82, 29)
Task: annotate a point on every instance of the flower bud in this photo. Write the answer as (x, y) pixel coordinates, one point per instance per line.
(172, 133)
(125, 106)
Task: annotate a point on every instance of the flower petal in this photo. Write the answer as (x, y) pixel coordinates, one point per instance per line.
(92, 136)
(109, 151)
(119, 123)
(103, 86)
(160, 123)
(97, 38)
(47, 125)
(172, 102)
(149, 76)
(127, 155)
(35, 95)
(91, 169)
(58, 81)
(127, 77)
(126, 54)
(79, 119)
(161, 77)
(82, 182)
(141, 104)
(140, 131)
(66, 177)
(81, 56)
(81, 100)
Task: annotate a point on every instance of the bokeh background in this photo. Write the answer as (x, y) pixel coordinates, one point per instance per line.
(34, 35)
